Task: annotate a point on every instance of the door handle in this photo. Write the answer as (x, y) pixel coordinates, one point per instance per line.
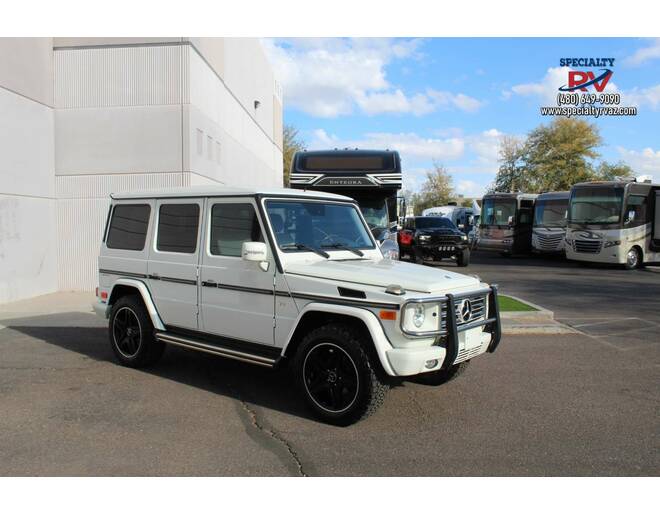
(210, 283)
(154, 276)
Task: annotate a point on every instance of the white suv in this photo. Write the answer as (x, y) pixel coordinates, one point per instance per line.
(285, 276)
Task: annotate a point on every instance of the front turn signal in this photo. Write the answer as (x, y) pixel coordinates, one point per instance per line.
(388, 315)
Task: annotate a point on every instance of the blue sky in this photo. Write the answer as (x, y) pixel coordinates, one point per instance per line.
(451, 100)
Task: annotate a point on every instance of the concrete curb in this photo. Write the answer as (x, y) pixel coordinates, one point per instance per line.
(540, 321)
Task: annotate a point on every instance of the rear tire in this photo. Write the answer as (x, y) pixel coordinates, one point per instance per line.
(633, 258)
(132, 334)
(442, 376)
(463, 258)
(336, 376)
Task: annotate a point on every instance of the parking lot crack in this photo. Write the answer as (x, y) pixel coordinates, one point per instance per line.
(272, 434)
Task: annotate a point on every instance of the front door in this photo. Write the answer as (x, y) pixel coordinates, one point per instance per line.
(236, 297)
(173, 262)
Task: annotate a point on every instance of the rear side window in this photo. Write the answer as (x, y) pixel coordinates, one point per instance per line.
(232, 224)
(177, 228)
(128, 227)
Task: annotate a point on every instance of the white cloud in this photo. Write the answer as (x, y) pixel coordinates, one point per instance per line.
(470, 188)
(649, 96)
(470, 159)
(643, 162)
(335, 76)
(412, 147)
(642, 55)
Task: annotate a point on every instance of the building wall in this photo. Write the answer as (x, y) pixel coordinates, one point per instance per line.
(28, 247)
(145, 114)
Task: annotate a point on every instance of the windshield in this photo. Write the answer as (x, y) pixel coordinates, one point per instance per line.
(596, 205)
(550, 213)
(433, 222)
(317, 226)
(496, 211)
(374, 212)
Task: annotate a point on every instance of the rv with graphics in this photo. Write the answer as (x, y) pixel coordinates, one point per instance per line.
(549, 229)
(371, 177)
(506, 222)
(614, 222)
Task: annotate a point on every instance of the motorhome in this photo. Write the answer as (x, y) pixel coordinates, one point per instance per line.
(371, 177)
(506, 222)
(614, 222)
(549, 230)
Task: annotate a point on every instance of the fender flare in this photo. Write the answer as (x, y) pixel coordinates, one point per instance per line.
(380, 341)
(146, 298)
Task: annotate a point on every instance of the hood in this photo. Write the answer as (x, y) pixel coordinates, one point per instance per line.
(440, 231)
(383, 273)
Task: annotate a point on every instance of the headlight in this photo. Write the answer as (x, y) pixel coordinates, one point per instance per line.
(424, 238)
(420, 318)
(609, 244)
(419, 313)
(464, 237)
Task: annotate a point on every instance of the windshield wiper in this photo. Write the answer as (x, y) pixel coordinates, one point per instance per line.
(340, 246)
(301, 246)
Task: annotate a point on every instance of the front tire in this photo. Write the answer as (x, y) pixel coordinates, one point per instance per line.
(633, 259)
(442, 376)
(336, 376)
(132, 334)
(463, 258)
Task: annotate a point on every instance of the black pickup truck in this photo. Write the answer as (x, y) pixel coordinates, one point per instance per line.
(433, 238)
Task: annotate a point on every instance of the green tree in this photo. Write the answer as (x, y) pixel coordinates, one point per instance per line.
(607, 171)
(291, 143)
(558, 155)
(511, 175)
(436, 190)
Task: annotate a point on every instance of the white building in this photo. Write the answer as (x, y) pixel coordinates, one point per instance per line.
(83, 117)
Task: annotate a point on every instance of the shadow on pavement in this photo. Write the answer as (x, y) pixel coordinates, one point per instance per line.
(272, 389)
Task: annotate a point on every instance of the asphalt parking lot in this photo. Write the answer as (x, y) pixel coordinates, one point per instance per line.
(580, 404)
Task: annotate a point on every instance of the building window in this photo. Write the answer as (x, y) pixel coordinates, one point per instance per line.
(200, 142)
(231, 225)
(177, 228)
(128, 227)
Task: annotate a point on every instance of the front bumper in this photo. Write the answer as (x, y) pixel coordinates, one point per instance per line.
(442, 249)
(495, 245)
(412, 361)
(100, 309)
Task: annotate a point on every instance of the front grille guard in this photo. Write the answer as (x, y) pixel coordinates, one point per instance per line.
(492, 323)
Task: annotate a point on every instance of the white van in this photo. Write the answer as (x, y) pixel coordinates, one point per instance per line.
(283, 276)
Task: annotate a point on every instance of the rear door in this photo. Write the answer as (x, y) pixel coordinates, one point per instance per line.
(174, 259)
(237, 297)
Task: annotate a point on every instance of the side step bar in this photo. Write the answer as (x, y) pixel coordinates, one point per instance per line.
(192, 344)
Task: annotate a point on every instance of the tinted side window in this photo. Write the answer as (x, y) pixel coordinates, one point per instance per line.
(177, 228)
(231, 225)
(128, 227)
(636, 204)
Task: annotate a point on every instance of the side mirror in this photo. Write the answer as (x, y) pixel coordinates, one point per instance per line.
(510, 222)
(631, 217)
(255, 252)
(470, 220)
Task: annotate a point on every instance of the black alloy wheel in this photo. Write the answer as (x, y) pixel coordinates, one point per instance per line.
(126, 332)
(331, 377)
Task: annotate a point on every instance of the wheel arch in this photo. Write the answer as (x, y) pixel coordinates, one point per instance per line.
(318, 314)
(127, 286)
